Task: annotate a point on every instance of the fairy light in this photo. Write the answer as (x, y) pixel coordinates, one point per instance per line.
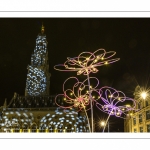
(98, 57)
(95, 60)
(106, 63)
(36, 82)
(70, 117)
(111, 96)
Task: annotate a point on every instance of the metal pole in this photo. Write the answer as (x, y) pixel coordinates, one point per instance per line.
(108, 126)
(90, 103)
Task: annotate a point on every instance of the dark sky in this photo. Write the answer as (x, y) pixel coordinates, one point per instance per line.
(67, 37)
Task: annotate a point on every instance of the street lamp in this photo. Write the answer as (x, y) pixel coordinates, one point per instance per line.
(103, 124)
(144, 95)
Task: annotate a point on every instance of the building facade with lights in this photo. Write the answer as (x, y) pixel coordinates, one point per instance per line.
(139, 120)
(37, 110)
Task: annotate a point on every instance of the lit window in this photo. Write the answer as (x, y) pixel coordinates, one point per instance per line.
(140, 118)
(134, 130)
(139, 105)
(141, 129)
(147, 114)
(148, 128)
(134, 121)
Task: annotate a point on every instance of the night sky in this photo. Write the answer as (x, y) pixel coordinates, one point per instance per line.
(68, 37)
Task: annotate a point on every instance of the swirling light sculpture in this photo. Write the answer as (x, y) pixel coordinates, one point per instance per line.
(78, 96)
(113, 102)
(87, 63)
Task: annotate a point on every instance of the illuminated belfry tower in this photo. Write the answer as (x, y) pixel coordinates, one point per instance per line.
(38, 77)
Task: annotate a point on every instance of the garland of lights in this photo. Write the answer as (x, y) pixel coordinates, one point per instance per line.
(78, 96)
(48, 122)
(87, 63)
(113, 102)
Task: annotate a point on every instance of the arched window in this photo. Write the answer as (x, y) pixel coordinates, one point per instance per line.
(25, 127)
(60, 128)
(16, 127)
(33, 127)
(51, 128)
(43, 127)
(69, 126)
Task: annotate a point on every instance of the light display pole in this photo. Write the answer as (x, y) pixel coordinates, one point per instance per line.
(38, 77)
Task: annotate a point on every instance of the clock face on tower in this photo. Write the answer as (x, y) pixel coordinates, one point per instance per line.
(36, 81)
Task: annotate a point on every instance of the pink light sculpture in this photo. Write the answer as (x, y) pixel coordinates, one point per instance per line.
(87, 63)
(78, 96)
(113, 102)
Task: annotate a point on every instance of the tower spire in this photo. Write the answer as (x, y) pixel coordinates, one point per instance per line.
(42, 28)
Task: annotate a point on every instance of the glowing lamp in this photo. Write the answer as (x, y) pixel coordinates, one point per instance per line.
(131, 114)
(102, 123)
(143, 95)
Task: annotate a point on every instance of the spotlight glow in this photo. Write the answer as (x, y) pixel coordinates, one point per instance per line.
(144, 95)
